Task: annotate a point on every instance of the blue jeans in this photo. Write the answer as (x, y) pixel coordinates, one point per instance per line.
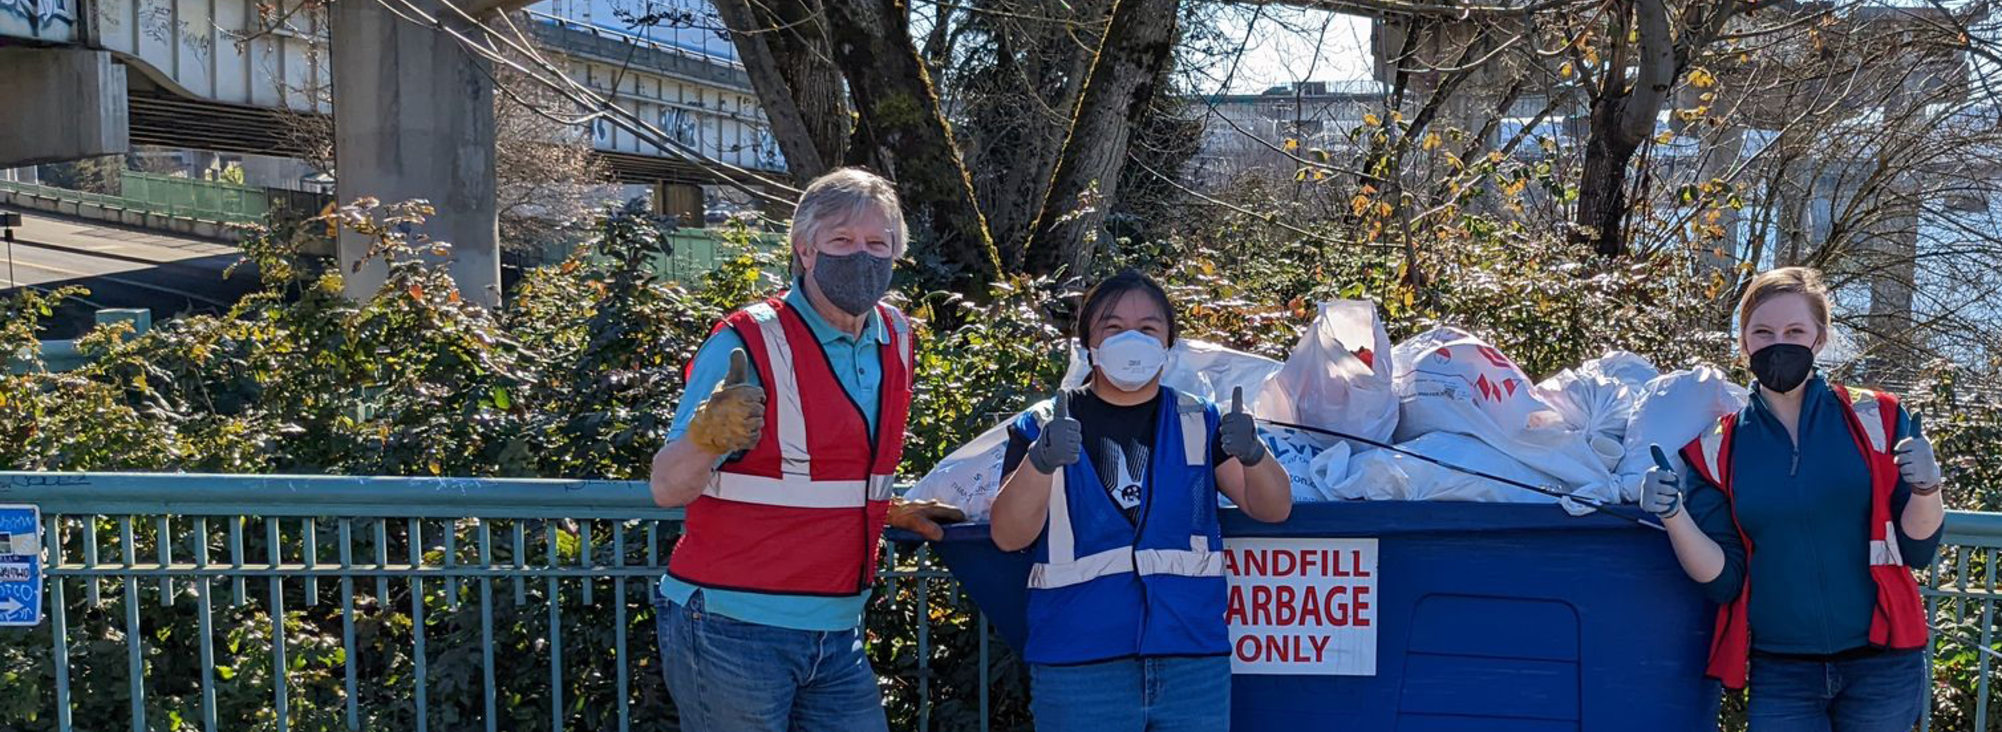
(1881, 693)
(731, 676)
(1181, 694)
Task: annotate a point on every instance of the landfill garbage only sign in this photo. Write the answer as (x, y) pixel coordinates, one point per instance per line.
(1302, 606)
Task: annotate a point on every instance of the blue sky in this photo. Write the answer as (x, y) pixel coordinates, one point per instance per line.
(1286, 45)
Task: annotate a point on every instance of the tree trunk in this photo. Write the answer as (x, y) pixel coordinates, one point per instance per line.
(1623, 118)
(785, 49)
(1602, 189)
(1138, 44)
(895, 100)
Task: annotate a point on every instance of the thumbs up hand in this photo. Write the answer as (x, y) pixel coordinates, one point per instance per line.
(732, 419)
(1661, 488)
(1239, 432)
(1916, 462)
(1061, 441)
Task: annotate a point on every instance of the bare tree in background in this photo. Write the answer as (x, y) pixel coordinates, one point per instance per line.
(549, 180)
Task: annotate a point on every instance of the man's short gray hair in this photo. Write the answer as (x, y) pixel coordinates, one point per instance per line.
(838, 197)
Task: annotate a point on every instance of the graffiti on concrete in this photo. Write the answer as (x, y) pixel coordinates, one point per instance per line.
(44, 20)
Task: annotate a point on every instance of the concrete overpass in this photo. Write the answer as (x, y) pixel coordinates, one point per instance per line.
(412, 110)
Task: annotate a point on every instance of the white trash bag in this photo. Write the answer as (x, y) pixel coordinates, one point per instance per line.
(1449, 381)
(1597, 398)
(1625, 367)
(1308, 459)
(970, 477)
(1384, 475)
(1338, 377)
(1670, 411)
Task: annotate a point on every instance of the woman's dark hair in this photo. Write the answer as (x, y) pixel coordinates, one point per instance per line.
(1109, 292)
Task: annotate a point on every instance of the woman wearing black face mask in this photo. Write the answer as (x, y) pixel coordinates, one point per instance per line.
(1823, 497)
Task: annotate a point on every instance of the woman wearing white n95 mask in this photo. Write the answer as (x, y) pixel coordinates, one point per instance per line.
(1112, 489)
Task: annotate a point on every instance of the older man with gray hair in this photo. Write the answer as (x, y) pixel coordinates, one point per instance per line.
(785, 463)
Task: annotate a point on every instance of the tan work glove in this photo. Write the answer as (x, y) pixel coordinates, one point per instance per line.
(733, 417)
(924, 517)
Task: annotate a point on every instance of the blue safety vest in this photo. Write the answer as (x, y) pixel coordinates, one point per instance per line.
(1104, 588)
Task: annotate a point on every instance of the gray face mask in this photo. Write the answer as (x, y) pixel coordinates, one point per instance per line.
(853, 282)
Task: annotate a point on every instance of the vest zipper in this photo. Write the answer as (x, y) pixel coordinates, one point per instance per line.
(1147, 511)
(1140, 530)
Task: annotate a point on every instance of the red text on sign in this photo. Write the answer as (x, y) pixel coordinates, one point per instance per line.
(1254, 648)
(1285, 605)
(1295, 563)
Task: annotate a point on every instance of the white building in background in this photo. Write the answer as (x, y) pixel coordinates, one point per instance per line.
(690, 25)
(1248, 132)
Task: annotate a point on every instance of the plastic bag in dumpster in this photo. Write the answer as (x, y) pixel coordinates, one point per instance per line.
(1450, 381)
(1313, 462)
(1383, 475)
(1338, 376)
(1670, 411)
(970, 476)
(1598, 396)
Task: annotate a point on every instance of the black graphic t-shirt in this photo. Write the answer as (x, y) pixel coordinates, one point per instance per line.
(1118, 440)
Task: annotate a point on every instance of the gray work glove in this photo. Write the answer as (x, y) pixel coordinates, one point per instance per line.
(1061, 441)
(1239, 432)
(1916, 463)
(1661, 488)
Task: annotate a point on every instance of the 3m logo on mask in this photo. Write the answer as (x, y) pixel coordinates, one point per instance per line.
(1131, 359)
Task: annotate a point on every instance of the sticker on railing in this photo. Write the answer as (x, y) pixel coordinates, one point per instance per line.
(20, 566)
(1302, 606)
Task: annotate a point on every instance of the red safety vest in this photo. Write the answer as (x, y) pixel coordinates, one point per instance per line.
(801, 513)
(1899, 619)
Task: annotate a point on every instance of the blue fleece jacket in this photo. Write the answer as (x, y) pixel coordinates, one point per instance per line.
(1806, 510)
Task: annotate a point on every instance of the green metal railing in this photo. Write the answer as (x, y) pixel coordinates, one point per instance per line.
(222, 201)
(421, 545)
(695, 252)
(1961, 602)
(426, 552)
(174, 197)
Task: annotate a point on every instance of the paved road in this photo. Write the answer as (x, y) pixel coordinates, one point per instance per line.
(123, 268)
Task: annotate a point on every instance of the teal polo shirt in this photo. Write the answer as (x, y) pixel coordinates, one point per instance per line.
(857, 364)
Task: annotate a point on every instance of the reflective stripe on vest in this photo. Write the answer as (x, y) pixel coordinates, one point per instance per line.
(1065, 568)
(1883, 552)
(787, 491)
(1196, 561)
(784, 395)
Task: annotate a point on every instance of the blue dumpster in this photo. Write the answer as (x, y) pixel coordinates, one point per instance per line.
(1482, 617)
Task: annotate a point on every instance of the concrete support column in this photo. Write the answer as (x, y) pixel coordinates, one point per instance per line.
(414, 118)
(60, 104)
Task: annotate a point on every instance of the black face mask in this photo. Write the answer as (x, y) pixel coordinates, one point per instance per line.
(1783, 367)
